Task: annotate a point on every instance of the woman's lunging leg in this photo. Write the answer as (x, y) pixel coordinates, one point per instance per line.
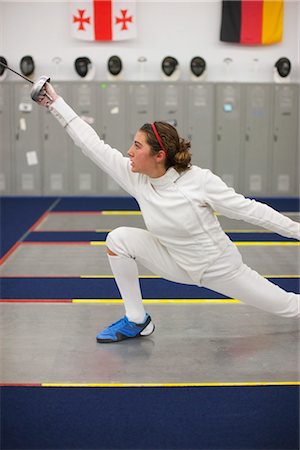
(251, 288)
(126, 275)
(130, 245)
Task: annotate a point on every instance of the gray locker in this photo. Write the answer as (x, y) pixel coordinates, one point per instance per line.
(228, 133)
(200, 123)
(112, 127)
(27, 155)
(140, 107)
(5, 140)
(257, 151)
(56, 161)
(86, 176)
(246, 133)
(285, 141)
(169, 104)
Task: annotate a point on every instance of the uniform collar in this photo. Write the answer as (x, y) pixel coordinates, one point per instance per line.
(169, 177)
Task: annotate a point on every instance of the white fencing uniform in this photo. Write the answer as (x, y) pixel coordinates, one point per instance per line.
(184, 241)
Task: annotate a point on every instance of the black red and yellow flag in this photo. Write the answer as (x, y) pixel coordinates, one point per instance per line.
(252, 22)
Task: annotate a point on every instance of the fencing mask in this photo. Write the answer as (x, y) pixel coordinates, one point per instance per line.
(114, 65)
(169, 65)
(198, 66)
(27, 65)
(82, 66)
(3, 71)
(283, 66)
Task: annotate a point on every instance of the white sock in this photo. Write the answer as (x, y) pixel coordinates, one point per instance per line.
(127, 278)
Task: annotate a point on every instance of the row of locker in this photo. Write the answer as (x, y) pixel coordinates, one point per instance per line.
(245, 133)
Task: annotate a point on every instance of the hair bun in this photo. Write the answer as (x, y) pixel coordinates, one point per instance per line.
(183, 156)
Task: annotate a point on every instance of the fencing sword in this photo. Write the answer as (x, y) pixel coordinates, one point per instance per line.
(38, 86)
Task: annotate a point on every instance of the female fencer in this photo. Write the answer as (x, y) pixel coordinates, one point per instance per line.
(184, 241)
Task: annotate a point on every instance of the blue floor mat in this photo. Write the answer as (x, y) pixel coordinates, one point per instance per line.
(97, 288)
(17, 216)
(206, 418)
(87, 236)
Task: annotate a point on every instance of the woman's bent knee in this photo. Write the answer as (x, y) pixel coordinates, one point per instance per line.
(116, 241)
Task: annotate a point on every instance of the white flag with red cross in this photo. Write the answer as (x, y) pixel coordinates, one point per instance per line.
(103, 20)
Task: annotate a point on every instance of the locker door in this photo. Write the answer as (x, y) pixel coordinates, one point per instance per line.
(169, 104)
(200, 123)
(228, 139)
(140, 107)
(111, 104)
(86, 176)
(27, 154)
(257, 155)
(56, 164)
(285, 141)
(5, 140)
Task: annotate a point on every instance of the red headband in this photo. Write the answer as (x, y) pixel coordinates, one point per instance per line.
(158, 138)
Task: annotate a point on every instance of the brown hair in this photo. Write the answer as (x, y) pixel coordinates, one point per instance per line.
(177, 148)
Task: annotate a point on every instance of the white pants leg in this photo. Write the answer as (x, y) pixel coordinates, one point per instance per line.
(127, 278)
(143, 247)
(131, 244)
(231, 277)
(228, 275)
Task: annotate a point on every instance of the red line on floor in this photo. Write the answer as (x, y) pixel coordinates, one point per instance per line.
(39, 276)
(39, 221)
(65, 231)
(10, 251)
(54, 243)
(20, 384)
(34, 300)
(76, 212)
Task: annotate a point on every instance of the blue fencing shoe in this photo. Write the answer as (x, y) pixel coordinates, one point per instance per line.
(124, 329)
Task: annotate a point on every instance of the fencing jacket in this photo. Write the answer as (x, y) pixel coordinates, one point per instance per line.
(178, 209)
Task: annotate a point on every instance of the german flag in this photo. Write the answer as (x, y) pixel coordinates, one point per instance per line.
(252, 22)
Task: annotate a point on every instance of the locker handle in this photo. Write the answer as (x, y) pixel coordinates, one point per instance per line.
(218, 137)
(46, 136)
(275, 138)
(17, 136)
(247, 137)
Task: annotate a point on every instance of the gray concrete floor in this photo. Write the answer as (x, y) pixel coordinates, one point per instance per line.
(44, 343)
(88, 222)
(75, 259)
(102, 222)
(193, 343)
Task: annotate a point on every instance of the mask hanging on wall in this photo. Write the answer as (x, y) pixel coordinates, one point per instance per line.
(27, 65)
(170, 68)
(198, 68)
(114, 67)
(3, 71)
(282, 70)
(84, 67)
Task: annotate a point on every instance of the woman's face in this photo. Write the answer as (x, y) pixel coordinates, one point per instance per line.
(142, 160)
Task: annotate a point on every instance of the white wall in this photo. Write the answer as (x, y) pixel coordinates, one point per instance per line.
(1, 27)
(178, 28)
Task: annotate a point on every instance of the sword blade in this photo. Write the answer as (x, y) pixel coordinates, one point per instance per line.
(17, 73)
